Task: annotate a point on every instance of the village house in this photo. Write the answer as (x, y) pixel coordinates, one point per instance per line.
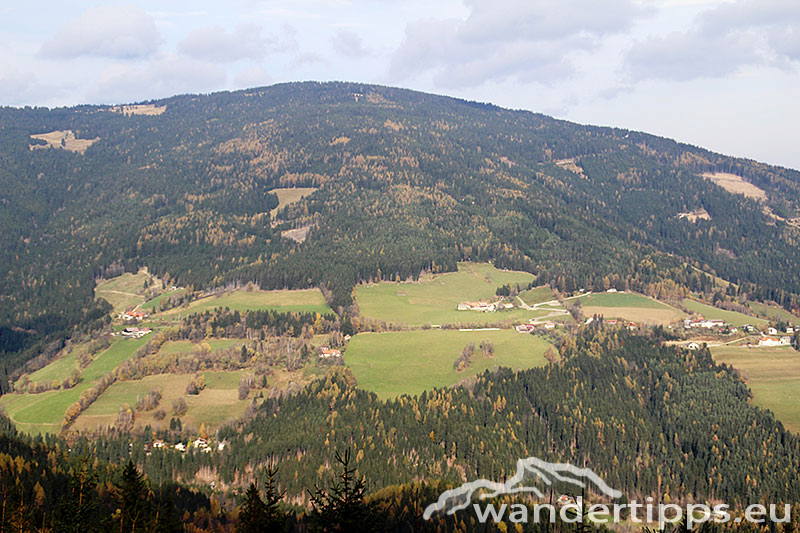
(158, 443)
(525, 328)
(772, 331)
(775, 341)
(326, 352)
(484, 307)
(133, 315)
(181, 447)
(700, 322)
(549, 325)
(135, 333)
(693, 346)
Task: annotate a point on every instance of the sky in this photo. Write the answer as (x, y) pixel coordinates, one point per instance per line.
(722, 74)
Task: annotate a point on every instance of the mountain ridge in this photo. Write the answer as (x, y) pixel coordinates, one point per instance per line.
(420, 183)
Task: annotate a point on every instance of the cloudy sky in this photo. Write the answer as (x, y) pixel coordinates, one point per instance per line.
(722, 74)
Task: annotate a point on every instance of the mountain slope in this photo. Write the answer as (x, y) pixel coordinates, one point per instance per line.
(407, 181)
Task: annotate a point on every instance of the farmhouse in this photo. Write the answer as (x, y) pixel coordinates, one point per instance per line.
(703, 323)
(135, 333)
(549, 325)
(693, 346)
(525, 328)
(772, 331)
(133, 315)
(326, 352)
(484, 307)
(775, 341)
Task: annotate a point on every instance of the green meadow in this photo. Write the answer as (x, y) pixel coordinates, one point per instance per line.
(409, 362)
(305, 301)
(537, 295)
(621, 299)
(42, 413)
(773, 313)
(155, 302)
(714, 313)
(173, 347)
(434, 300)
(773, 374)
(122, 292)
(629, 306)
(217, 403)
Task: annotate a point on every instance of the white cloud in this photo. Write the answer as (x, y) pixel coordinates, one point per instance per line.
(255, 76)
(722, 41)
(163, 77)
(215, 44)
(510, 39)
(118, 32)
(349, 44)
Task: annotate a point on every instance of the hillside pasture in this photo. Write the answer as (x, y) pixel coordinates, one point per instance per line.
(736, 185)
(434, 299)
(409, 362)
(40, 413)
(304, 301)
(111, 358)
(153, 305)
(629, 306)
(60, 368)
(218, 403)
(773, 374)
(714, 313)
(123, 292)
(290, 195)
(773, 312)
(62, 139)
(537, 295)
(182, 347)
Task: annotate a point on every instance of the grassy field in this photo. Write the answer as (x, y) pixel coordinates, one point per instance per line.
(306, 301)
(173, 347)
(42, 413)
(629, 306)
(151, 305)
(122, 292)
(106, 361)
(410, 362)
(537, 295)
(773, 374)
(731, 317)
(219, 402)
(290, 196)
(59, 369)
(773, 313)
(434, 300)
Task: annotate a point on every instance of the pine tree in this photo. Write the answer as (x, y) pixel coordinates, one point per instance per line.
(132, 499)
(253, 512)
(342, 507)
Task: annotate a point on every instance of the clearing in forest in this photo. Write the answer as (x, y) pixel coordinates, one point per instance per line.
(409, 362)
(64, 139)
(125, 291)
(289, 196)
(715, 313)
(629, 306)
(773, 374)
(435, 298)
(304, 300)
(736, 185)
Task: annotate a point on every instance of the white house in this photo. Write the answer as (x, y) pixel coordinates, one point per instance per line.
(693, 346)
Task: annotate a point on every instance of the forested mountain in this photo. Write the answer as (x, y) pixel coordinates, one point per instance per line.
(406, 182)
